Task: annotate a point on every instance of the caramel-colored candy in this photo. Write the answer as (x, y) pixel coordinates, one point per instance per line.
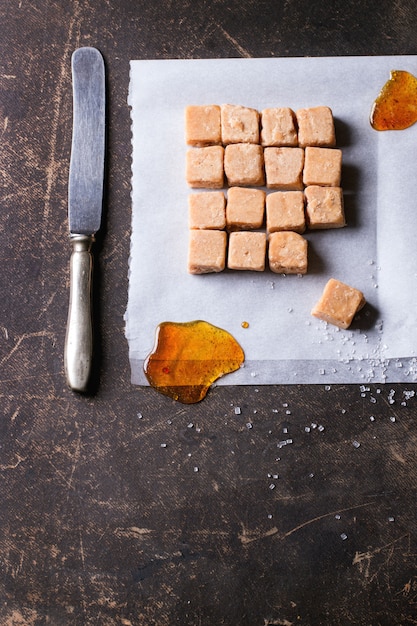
(207, 210)
(324, 207)
(202, 125)
(316, 127)
(247, 251)
(243, 165)
(284, 168)
(207, 251)
(278, 127)
(245, 208)
(285, 211)
(322, 166)
(204, 167)
(287, 253)
(239, 124)
(338, 304)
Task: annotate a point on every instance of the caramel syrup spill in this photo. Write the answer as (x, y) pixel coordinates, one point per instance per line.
(395, 108)
(188, 357)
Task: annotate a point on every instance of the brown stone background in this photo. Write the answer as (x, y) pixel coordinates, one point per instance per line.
(104, 518)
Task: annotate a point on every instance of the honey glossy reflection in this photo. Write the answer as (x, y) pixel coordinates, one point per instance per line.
(188, 357)
(395, 108)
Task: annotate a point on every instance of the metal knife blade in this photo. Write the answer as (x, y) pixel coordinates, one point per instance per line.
(85, 199)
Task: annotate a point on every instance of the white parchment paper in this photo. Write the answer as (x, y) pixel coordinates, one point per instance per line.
(375, 253)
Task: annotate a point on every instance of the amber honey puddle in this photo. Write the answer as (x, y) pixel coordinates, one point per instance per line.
(395, 108)
(188, 357)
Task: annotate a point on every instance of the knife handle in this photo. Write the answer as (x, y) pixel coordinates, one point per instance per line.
(78, 354)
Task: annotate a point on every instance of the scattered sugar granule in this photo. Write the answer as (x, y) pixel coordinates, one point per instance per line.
(392, 418)
(337, 516)
(356, 444)
(320, 428)
(391, 518)
(238, 410)
(343, 536)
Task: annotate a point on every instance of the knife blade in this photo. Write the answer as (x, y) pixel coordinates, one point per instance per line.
(85, 200)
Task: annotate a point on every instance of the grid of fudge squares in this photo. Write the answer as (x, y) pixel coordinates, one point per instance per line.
(292, 153)
(277, 147)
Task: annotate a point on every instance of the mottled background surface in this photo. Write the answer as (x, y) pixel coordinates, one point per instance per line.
(259, 506)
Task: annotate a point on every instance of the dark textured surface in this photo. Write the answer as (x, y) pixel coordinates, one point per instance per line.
(124, 507)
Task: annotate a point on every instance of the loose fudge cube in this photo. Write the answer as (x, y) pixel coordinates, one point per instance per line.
(284, 168)
(285, 211)
(316, 127)
(247, 251)
(207, 210)
(244, 165)
(204, 167)
(245, 208)
(338, 304)
(239, 124)
(287, 253)
(206, 251)
(324, 207)
(322, 166)
(278, 127)
(202, 125)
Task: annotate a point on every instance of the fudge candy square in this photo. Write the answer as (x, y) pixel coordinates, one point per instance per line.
(206, 251)
(202, 125)
(244, 165)
(338, 304)
(207, 210)
(284, 168)
(324, 207)
(316, 127)
(204, 167)
(285, 211)
(239, 124)
(245, 208)
(322, 166)
(287, 253)
(278, 127)
(247, 251)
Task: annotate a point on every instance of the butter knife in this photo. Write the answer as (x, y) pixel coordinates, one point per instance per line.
(85, 199)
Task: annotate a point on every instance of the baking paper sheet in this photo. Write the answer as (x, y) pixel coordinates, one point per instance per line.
(375, 253)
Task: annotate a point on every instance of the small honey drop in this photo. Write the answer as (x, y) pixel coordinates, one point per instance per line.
(245, 324)
(395, 108)
(188, 357)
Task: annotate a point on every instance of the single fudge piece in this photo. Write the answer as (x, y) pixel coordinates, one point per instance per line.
(316, 127)
(204, 167)
(207, 210)
(207, 251)
(239, 124)
(245, 208)
(323, 166)
(284, 168)
(324, 207)
(202, 125)
(339, 304)
(244, 165)
(278, 127)
(247, 251)
(287, 253)
(285, 211)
